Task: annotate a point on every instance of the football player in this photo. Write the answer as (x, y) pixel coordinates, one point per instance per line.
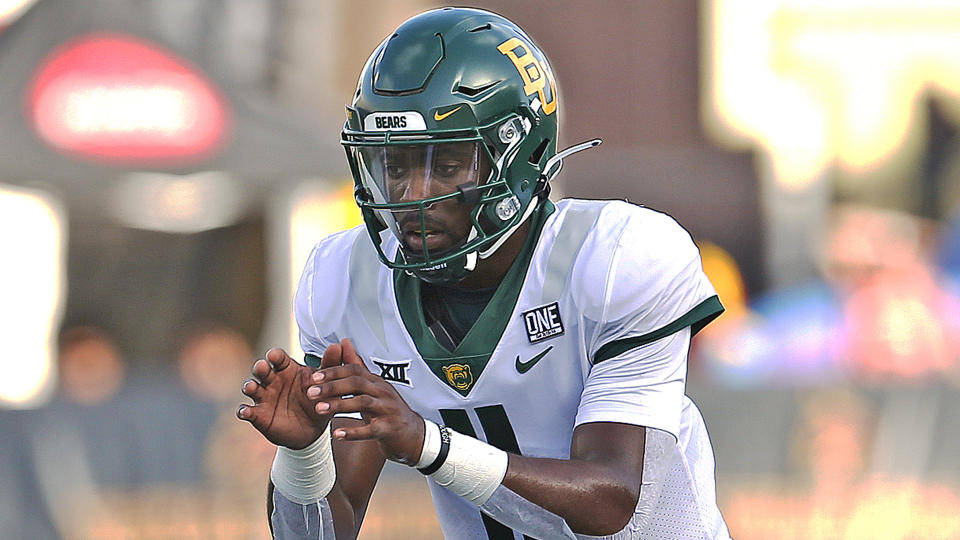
(528, 357)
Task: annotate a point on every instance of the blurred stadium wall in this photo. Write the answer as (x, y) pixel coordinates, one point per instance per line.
(165, 166)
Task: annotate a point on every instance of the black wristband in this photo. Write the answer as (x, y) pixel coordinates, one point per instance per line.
(442, 456)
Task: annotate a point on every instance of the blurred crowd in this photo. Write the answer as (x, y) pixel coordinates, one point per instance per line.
(123, 452)
(812, 149)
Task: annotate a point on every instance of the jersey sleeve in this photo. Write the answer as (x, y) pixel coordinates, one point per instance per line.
(654, 297)
(321, 296)
(653, 282)
(643, 386)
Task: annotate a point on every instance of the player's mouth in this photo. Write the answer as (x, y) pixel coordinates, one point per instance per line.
(436, 240)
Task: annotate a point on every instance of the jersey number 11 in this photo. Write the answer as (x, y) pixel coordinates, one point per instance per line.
(496, 426)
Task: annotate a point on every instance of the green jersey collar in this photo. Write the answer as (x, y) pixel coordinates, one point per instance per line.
(462, 367)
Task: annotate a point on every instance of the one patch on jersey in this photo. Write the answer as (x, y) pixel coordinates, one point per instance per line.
(395, 372)
(458, 376)
(394, 121)
(543, 322)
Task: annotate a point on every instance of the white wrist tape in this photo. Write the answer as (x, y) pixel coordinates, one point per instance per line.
(305, 476)
(431, 444)
(473, 469)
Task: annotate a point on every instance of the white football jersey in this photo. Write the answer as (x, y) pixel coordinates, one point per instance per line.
(556, 346)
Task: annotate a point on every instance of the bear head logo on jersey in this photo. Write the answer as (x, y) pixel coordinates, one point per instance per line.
(451, 139)
(458, 376)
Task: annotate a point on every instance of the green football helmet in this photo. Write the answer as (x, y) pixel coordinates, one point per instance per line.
(456, 107)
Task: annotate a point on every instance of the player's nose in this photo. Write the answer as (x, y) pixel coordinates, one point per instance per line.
(418, 187)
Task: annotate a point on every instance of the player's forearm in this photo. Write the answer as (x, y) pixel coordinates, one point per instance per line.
(301, 480)
(311, 493)
(597, 489)
(289, 520)
(347, 516)
(593, 498)
(358, 466)
(595, 493)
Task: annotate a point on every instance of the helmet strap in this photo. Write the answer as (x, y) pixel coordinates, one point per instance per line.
(471, 261)
(535, 202)
(531, 208)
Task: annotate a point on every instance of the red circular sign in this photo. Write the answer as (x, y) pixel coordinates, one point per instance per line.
(113, 97)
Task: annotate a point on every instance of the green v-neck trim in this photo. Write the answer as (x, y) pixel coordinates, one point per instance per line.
(461, 367)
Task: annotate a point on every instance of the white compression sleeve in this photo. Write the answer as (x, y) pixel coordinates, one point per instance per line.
(658, 457)
(533, 520)
(524, 516)
(294, 521)
(302, 479)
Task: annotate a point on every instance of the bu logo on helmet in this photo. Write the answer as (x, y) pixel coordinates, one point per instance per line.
(534, 74)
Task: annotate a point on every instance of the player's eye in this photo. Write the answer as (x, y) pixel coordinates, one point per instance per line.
(395, 171)
(448, 169)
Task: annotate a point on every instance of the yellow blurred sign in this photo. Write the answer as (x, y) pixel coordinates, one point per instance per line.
(815, 82)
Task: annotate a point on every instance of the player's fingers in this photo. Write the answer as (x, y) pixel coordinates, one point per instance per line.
(250, 414)
(361, 403)
(342, 372)
(342, 387)
(252, 388)
(263, 372)
(259, 417)
(362, 432)
(350, 355)
(279, 359)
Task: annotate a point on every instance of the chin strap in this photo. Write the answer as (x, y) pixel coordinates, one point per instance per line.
(545, 178)
(526, 215)
(471, 261)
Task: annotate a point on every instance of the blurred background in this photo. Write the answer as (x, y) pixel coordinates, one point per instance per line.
(165, 166)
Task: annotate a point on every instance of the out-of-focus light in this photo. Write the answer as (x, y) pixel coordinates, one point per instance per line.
(11, 9)
(31, 279)
(899, 326)
(91, 368)
(789, 337)
(812, 82)
(317, 210)
(116, 98)
(177, 204)
(875, 510)
(125, 109)
(724, 274)
(212, 360)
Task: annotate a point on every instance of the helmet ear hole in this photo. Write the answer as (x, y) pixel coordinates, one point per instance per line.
(537, 153)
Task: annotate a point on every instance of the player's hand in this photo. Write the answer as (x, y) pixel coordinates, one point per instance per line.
(280, 409)
(351, 387)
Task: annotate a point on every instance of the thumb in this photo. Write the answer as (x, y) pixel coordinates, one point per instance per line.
(350, 355)
(331, 356)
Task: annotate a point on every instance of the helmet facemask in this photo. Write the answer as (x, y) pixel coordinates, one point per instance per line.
(438, 196)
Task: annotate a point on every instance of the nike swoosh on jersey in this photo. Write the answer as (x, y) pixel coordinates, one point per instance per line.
(438, 117)
(524, 367)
